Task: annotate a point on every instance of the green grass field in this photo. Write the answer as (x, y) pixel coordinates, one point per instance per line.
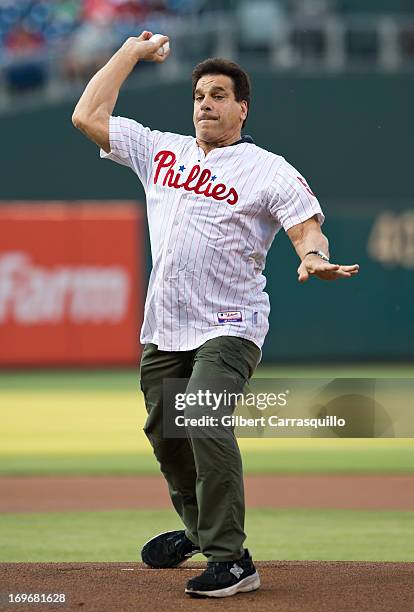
(78, 423)
(91, 423)
(272, 534)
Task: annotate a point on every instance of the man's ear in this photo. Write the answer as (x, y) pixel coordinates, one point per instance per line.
(244, 108)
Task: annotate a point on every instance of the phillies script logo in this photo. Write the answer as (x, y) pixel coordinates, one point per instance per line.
(197, 180)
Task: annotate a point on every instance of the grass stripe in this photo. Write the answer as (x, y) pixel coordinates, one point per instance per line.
(272, 534)
(127, 378)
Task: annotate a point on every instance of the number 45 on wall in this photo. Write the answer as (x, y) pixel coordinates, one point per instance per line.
(391, 241)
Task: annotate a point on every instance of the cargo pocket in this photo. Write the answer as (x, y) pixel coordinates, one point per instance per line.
(240, 358)
(235, 362)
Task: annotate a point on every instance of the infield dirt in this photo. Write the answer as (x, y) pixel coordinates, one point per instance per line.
(291, 586)
(57, 493)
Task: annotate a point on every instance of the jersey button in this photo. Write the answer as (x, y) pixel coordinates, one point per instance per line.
(169, 251)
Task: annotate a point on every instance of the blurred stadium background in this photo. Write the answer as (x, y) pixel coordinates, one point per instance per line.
(333, 82)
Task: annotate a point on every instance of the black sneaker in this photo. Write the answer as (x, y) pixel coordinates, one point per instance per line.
(168, 549)
(225, 578)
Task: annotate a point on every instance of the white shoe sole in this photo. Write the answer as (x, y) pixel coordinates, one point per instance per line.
(251, 583)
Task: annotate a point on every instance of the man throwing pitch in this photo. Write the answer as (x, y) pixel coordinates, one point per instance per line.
(214, 203)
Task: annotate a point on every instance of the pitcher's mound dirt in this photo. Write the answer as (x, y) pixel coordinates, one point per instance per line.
(292, 586)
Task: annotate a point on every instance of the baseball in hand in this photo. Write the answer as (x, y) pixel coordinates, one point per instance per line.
(164, 48)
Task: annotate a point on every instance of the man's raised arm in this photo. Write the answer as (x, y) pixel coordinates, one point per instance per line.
(92, 112)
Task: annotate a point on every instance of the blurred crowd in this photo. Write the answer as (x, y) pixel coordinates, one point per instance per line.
(83, 32)
(76, 37)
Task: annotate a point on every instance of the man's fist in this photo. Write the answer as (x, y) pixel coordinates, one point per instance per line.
(147, 49)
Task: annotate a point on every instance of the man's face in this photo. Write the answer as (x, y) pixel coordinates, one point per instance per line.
(217, 114)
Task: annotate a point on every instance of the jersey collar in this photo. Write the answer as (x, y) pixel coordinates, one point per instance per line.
(245, 138)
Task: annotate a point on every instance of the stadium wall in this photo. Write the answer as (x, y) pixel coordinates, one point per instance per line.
(348, 135)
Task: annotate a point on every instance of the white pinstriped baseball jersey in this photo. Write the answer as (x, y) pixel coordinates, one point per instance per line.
(212, 219)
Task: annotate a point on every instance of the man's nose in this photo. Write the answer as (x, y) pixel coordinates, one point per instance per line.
(206, 104)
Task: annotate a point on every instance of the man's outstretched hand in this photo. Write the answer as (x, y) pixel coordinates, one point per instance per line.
(313, 265)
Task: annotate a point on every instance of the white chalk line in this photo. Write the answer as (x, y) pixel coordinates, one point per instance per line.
(149, 569)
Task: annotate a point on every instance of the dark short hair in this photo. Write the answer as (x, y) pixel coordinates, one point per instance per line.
(217, 65)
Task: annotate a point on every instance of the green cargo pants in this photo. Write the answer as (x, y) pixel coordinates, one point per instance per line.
(204, 474)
